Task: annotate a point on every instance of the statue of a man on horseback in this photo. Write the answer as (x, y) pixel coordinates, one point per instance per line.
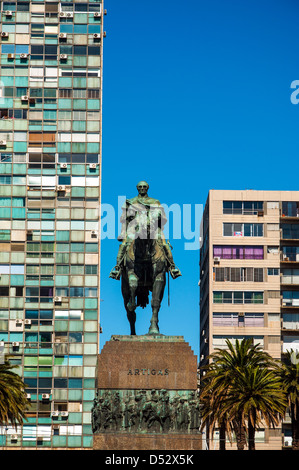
(144, 256)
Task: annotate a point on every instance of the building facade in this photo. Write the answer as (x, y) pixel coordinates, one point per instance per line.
(50, 175)
(249, 278)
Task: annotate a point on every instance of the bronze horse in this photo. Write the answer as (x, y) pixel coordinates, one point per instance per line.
(144, 271)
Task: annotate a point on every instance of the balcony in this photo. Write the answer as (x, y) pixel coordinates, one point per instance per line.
(292, 258)
(287, 303)
(289, 210)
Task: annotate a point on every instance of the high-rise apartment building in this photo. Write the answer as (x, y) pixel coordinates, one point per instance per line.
(50, 173)
(249, 277)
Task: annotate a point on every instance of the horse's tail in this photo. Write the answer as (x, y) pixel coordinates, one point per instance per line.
(142, 295)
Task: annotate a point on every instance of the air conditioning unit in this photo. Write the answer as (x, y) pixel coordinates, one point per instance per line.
(62, 14)
(202, 357)
(55, 413)
(64, 414)
(217, 259)
(10, 56)
(24, 56)
(25, 98)
(92, 166)
(69, 14)
(8, 13)
(27, 322)
(63, 165)
(3, 143)
(57, 299)
(13, 437)
(45, 396)
(15, 344)
(94, 234)
(28, 396)
(63, 56)
(61, 188)
(4, 35)
(62, 36)
(97, 14)
(96, 35)
(19, 322)
(2, 344)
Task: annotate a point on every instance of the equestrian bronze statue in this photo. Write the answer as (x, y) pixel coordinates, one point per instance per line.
(144, 256)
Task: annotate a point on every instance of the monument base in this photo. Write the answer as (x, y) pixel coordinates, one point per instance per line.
(121, 441)
(147, 395)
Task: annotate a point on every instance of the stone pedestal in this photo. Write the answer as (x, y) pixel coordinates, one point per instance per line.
(147, 395)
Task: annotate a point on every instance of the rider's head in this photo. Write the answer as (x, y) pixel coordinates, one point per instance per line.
(142, 188)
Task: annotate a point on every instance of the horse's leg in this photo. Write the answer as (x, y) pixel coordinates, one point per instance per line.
(133, 284)
(131, 315)
(157, 295)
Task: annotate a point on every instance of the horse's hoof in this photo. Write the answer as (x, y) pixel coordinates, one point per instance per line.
(154, 330)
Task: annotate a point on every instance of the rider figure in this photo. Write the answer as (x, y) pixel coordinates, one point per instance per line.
(138, 207)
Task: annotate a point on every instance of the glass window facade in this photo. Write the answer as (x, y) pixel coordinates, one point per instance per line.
(50, 167)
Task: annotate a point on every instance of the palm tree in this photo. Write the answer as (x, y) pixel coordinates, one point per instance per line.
(240, 389)
(257, 396)
(13, 401)
(212, 397)
(290, 380)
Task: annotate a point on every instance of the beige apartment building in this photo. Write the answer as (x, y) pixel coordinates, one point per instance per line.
(249, 278)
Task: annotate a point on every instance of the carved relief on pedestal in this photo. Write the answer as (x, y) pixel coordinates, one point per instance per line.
(147, 411)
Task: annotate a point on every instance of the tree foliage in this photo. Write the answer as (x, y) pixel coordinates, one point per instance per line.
(13, 400)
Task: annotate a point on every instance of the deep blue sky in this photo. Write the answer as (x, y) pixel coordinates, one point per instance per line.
(196, 96)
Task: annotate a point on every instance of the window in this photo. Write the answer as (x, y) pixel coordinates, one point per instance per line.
(93, 93)
(290, 231)
(242, 207)
(239, 274)
(238, 252)
(273, 271)
(290, 209)
(65, 93)
(91, 269)
(4, 235)
(225, 319)
(236, 319)
(291, 321)
(254, 319)
(238, 297)
(4, 179)
(290, 298)
(220, 341)
(240, 230)
(290, 253)
(79, 93)
(290, 276)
